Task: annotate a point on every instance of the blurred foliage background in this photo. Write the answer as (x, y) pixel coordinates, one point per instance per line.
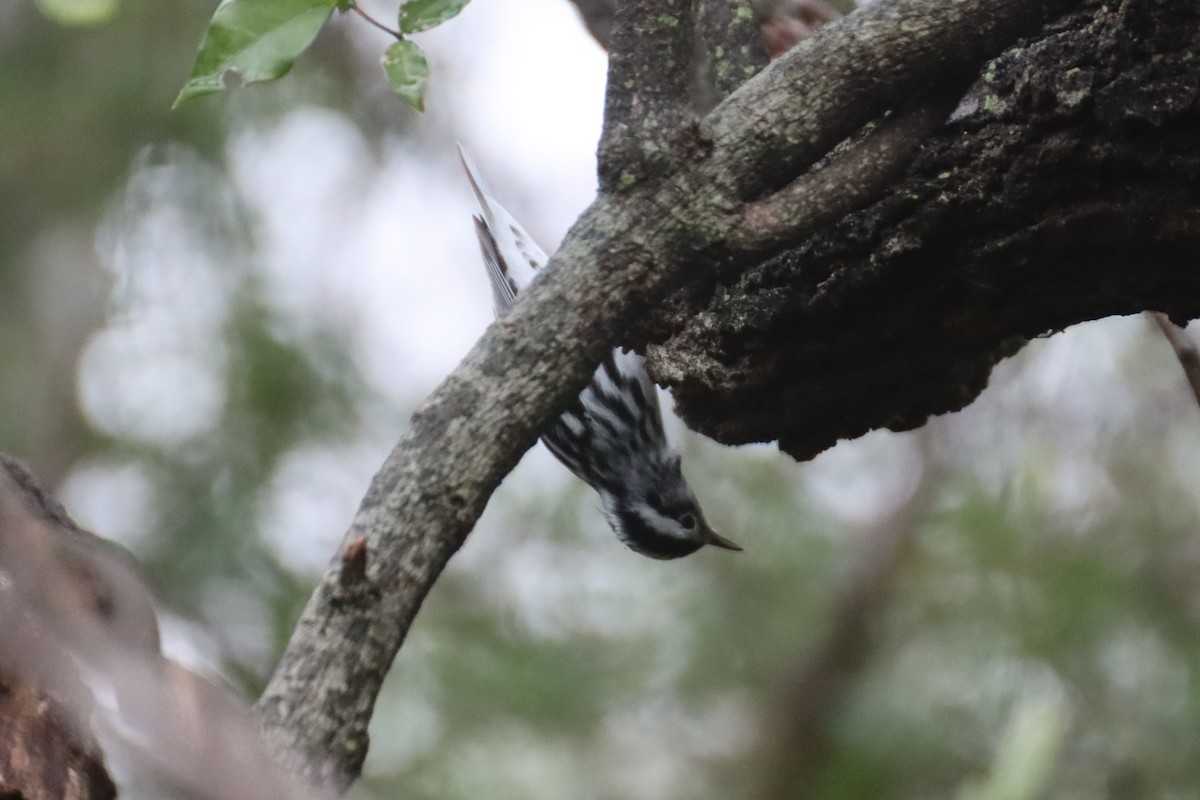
(214, 323)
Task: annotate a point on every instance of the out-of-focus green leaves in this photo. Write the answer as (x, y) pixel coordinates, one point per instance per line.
(407, 71)
(281, 391)
(79, 12)
(1026, 756)
(253, 40)
(421, 15)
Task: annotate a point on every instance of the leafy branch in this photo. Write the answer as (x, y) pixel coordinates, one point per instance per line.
(250, 41)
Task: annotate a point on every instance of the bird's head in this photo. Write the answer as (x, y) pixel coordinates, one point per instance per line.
(662, 519)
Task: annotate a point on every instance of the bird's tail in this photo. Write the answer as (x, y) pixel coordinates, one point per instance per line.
(479, 184)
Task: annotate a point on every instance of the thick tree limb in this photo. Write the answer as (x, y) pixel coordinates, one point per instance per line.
(808, 100)
(866, 168)
(730, 48)
(1066, 188)
(624, 256)
(649, 78)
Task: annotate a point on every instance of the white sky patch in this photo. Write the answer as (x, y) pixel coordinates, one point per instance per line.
(88, 491)
(1072, 395)
(312, 499)
(305, 178)
(170, 298)
(561, 591)
(532, 107)
(862, 481)
(508, 761)
(657, 741)
(407, 723)
(130, 381)
(419, 283)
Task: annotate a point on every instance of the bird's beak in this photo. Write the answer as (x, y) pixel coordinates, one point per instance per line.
(717, 540)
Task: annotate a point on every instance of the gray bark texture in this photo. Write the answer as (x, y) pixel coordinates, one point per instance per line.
(1066, 187)
(850, 240)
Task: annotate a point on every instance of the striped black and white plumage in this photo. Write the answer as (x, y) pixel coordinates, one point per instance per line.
(612, 435)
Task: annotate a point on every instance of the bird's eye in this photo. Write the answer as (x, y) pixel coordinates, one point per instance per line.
(688, 521)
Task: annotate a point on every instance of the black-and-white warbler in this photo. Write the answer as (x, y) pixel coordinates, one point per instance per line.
(612, 435)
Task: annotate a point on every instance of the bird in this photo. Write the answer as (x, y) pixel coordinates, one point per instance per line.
(611, 436)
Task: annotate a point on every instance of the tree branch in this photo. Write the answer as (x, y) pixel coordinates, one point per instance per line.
(1063, 189)
(646, 103)
(729, 48)
(623, 256)
(862, 169)
(816, 94)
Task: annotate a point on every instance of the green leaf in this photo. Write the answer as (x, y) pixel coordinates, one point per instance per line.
(253, 40)
(406, 69)
(421, 15)
(79, 12)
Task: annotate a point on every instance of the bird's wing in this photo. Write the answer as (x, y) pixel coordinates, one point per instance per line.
(511, 256)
